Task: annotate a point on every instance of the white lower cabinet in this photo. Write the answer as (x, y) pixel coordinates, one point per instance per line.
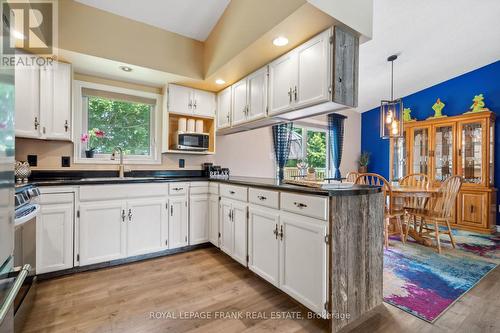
(234, 229)
(147, 227)
(103, 231)
(303, 260)
(263, 244)
(54, 233)
(213, 227)
(198, 218)
(178, 222)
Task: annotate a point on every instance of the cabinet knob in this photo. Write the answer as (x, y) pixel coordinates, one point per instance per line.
(123, 215)
(300, 204)
(295, 93)
(36, 123)
(66, 126)
(262, 198)
(275, 231)
(130, 214)
(290, 95)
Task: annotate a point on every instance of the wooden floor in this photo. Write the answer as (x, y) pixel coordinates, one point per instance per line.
(205, 281)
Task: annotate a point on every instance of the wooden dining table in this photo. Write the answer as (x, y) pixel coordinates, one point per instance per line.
(408, 191)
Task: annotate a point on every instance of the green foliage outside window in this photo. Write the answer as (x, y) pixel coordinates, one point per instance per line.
(125, 124)
(316, 149)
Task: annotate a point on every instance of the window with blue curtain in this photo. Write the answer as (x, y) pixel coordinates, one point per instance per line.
(336, 137)
(282, 137)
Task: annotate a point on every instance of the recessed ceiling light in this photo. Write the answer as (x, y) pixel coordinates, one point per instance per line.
(126, 68)
(220, 81)
(280, 41)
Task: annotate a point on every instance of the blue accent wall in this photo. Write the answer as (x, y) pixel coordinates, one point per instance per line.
(456, 93)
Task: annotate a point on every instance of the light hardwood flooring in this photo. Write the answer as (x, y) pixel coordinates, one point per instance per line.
(121, 299)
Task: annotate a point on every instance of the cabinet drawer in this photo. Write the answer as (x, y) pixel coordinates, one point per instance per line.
(264, 197)
(198, 188)
(473, 208)
(55, 198)
(213, 188)
(308, 205)
(233, 192)
(178, 188)
(122, 191)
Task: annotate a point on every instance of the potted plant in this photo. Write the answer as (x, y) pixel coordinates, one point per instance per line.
(91, 139)
(363, 161)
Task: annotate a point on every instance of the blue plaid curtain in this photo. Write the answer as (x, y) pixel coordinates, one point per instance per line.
(282, 135)
(336, 137)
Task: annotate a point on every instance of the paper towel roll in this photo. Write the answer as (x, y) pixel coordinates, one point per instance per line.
(190, 125)
(199, 126)
(181, 125)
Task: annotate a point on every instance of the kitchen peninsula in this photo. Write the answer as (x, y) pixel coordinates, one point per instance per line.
(321, 247)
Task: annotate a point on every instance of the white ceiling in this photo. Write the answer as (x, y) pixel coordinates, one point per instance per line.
(191, 18)
(437, 40)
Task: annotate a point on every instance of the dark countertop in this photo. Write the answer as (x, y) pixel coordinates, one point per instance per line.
(77, 179)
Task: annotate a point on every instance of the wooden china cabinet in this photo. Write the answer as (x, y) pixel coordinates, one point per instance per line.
(460, 145)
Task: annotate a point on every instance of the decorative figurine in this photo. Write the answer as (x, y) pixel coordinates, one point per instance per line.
(438, 108)
(478, 104)
(407, 115)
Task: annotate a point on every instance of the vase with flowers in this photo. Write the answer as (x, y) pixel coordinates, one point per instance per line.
(91, 139)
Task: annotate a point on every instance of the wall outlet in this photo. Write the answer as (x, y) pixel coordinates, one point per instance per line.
(182, 163)
(32, 160)
(65, 161)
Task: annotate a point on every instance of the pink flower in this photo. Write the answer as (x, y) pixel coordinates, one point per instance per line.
(84, 138)
(99, 133)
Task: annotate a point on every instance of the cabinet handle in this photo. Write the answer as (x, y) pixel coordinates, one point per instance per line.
(171, 210)
(471, 209)
(227, 117)
(43, 129)
(190, 105)
(177, 188)
(66, 126)
(130, 214)
(290, 95)
(123, 215)
(281, 232)
(262, 198)
(275, 231)
(36, 123)
(295, 93)
(232, 192)
(300, 205)
(194, 104)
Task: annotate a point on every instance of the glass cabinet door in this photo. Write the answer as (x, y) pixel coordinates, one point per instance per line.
(443, 151)
(420, 150)
(492, 153)
(399, 162)
(471, 152)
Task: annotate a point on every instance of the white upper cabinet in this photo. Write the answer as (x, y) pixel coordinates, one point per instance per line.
(257, 94)
(191, 101)
(301, 77)
(43, 102)
(240, 105)
(314, 71)
(224, 108)
(282, 79)
(55, 101)
(27, 84)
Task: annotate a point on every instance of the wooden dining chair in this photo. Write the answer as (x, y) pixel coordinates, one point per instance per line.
(418, 180)
(392, 211)
(440, 211)
(351, 177)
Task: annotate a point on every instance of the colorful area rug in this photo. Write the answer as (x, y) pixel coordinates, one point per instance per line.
(424, 283)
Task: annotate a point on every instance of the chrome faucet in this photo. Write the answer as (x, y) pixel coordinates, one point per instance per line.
(120, 150)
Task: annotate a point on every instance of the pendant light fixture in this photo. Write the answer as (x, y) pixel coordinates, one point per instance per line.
(391, 112)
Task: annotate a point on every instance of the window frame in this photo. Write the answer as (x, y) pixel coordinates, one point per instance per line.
(80, 125)
(318, 128)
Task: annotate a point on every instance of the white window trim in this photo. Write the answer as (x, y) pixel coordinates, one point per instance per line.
(306, 127)
(154, 158)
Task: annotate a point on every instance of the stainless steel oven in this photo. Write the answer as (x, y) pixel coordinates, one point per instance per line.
(191, 141)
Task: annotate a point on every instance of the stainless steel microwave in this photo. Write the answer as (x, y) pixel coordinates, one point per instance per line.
(191, 141)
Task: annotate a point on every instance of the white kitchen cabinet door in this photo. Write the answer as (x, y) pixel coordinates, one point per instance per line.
(282, 80)
(27, 97)
(55, 101)
(257, 94)
(240, 232)
(54, 237)
(177, 222)
(263, 243)
(203, 103)
(224, 108)
(239, 102)
(314, 71)
(198, 219)
(227, 230)
(103, 231)
(180, 99)
(303, 265)
(213, 229)
(146, 223)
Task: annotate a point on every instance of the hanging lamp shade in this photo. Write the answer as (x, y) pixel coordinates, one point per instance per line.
(391, 111)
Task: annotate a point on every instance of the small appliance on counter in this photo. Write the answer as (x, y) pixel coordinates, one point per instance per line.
(191, 141)
(215, 171)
